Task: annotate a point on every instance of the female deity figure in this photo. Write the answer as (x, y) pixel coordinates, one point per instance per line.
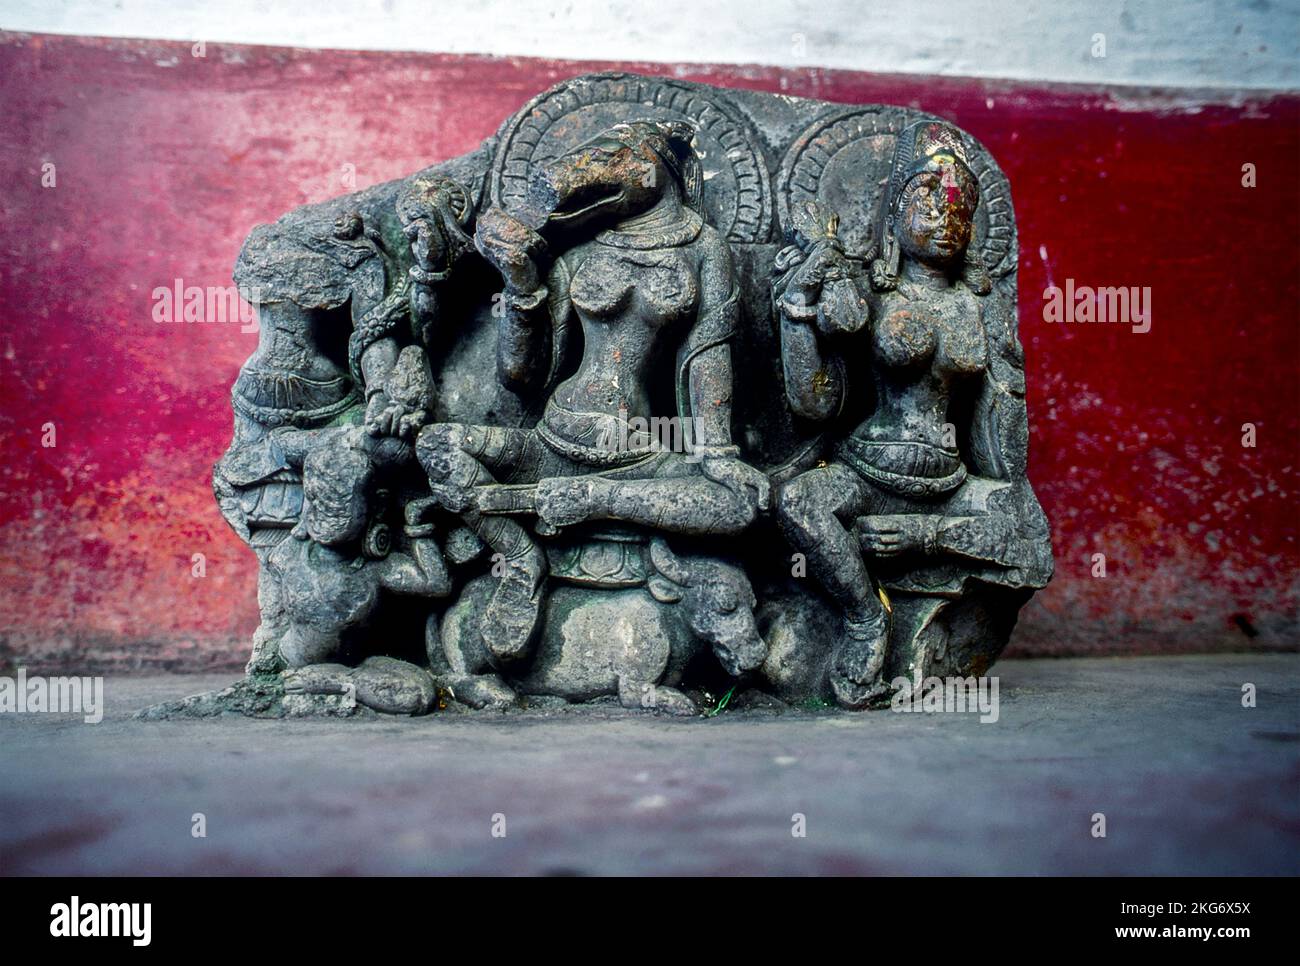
(434, 212)
(937, 470)
(310, 277)
(612, 239)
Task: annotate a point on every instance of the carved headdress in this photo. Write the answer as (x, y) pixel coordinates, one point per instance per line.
(925, 147)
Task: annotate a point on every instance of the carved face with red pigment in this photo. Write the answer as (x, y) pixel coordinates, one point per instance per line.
(936, 212)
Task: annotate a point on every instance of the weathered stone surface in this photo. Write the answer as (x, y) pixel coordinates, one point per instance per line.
(666, 389)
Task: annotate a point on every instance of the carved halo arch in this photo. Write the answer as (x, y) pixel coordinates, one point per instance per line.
(737, 189)
(843, 160)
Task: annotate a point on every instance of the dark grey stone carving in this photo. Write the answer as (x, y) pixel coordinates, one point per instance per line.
(665, 392)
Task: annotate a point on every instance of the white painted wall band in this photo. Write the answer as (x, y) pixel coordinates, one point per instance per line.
(1179, 43)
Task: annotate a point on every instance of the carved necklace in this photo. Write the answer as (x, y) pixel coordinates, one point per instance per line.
(656, 231)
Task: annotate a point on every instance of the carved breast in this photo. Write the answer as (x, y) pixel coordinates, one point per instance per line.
(659, 286)
(949, 336)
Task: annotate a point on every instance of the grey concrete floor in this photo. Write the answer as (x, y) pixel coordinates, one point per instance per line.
(1189, 781)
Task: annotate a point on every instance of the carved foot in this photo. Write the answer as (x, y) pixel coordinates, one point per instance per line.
(858, 661)
(672, 701)
(511, 616)
(266, 657)
(318, 679)
(483, 691)
(644, 696)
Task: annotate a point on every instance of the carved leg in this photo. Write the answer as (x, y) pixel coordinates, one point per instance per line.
(458, 655)
(266, 657)
(457, 458)
(810, 509)
(694, 505)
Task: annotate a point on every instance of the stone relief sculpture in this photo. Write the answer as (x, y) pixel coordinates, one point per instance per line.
(634, 267)
(899, 494)
(665, 393)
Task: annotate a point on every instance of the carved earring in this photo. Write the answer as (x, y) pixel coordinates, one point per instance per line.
(892, 253)
(975, 274)
(378, 541)
(884, 270)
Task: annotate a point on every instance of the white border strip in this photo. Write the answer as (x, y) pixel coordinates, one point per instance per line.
(1176, 43)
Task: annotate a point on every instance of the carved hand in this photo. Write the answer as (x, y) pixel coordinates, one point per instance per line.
(418, 508)
(380, 414)
(512, 247)
(825, 262)
(741, 478)
(887, 535)
(427, 244)
(384, 417)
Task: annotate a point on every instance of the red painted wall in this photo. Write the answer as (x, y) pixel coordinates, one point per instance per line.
(163, 161)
